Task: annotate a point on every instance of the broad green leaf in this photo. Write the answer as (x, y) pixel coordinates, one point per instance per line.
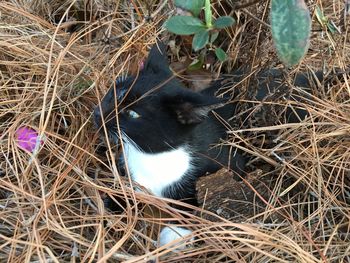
(213, 35)
(220, 54)
(194, 6)
(291, 27)
(184, 25)
(224, 21)
(207, 13)
(200, 39)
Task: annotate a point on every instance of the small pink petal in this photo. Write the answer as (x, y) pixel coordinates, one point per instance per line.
(26, 138)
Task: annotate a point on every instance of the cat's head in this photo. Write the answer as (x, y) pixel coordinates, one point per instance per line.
(153, 109)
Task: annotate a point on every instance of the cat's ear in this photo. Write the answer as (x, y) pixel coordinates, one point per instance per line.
(157, 61)
(192, 108)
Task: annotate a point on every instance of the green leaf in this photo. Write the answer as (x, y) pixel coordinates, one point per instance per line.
(291, 27)
(196, 64)
(320, 16)
(200, 39)
(184, 25)
(332, 27)
(194, 6)
(208, 14)
(325, 21)
(213, 35)
(220, 54)
(224, 21)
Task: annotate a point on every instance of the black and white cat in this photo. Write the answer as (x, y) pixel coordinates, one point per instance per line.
(170, 134)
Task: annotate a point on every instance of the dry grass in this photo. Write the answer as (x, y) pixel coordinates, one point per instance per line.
(51, 208)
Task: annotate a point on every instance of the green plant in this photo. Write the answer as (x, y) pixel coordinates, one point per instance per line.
(205, 32)
(291, 27)
(325, 22)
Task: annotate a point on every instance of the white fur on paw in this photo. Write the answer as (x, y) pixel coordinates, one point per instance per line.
(170, 234)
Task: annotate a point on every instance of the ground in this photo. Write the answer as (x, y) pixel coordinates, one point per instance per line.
(58, 58)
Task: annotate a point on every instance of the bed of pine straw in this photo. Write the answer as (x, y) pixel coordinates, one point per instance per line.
(51, 203)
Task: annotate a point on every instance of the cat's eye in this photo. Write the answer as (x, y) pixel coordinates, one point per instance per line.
(133, 114)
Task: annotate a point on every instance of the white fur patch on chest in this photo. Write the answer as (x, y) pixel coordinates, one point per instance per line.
(159, 170)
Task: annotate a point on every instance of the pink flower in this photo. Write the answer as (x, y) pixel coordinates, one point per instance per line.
(27, 138)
